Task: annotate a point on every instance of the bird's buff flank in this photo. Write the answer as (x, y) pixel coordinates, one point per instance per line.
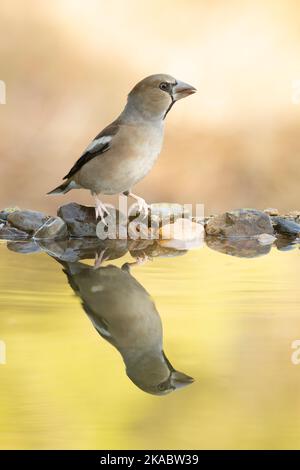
(125, 151)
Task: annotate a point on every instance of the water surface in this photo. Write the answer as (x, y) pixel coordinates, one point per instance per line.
(228, 322)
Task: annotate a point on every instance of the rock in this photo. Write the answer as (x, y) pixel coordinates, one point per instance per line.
(182, 245)
(135, 247)
(27, 220)
(25, 247)
(284, 243)
(271, 211)
(286, 226)
(53, 228)
(292, 214)
(242, 223)
(242, 248)
(5, 212)
(200, 220)
(139, 230)
(11, 233)
(168, 212)
(184, 234)
(115, 226)
(152, 249)
(114, 249)
(80, 220)
(65, 250)
(266, 239)
(75, 249)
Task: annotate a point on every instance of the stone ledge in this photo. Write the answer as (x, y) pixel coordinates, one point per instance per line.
(77, 221)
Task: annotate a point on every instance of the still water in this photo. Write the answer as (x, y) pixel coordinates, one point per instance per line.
(192, 351)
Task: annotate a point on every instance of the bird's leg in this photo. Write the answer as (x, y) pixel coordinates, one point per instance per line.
(142, 204)
(100, 258)
(100, 209)
(139, 261)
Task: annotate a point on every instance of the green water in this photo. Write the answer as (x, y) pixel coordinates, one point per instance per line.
(226, 321)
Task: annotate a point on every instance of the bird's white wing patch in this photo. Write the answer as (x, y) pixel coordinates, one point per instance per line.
(97, 143)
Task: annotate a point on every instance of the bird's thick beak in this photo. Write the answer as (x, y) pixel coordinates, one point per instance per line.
(181, 90)
(179, 379)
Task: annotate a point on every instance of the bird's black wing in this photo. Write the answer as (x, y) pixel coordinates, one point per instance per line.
(100, 144)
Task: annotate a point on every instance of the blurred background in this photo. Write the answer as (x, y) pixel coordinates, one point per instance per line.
(69, 64)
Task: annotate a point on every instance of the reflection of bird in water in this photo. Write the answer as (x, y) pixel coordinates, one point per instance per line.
(124, 314)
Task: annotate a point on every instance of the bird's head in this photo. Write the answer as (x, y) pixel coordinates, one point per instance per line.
(154, 96)
(154, 374)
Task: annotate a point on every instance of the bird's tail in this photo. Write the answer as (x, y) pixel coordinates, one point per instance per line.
(63, 188)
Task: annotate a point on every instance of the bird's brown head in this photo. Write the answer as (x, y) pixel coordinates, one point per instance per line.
(154, 96)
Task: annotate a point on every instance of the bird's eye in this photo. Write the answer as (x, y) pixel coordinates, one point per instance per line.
(161, 387)
(164, 86)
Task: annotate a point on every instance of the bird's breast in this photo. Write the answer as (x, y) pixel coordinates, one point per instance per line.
(134, 154)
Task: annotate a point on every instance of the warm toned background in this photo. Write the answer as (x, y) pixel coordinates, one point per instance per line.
(68, 65)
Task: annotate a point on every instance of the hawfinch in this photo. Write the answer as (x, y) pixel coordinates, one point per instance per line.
(124, 314)
(125, 151)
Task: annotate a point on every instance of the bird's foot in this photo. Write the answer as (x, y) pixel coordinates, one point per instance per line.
(140, 260)
(100, 258)
(143, 207)
(100, 210)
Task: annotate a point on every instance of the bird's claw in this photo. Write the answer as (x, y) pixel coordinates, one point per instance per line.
(143, 207)
(100, 258)
(140, 260)
(101, 212)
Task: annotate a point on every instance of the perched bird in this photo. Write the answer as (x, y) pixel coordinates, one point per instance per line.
(125, 151)
(124, 314)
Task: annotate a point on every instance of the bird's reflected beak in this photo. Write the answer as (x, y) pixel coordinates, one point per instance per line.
(179, 379)
(181, 90)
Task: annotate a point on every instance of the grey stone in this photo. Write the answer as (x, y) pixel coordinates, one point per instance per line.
(168, 212)
(115, 226)
(11, 233)
(242, 248)
(286, 226)
(285, 243)
(3, 216)
(139, 230)
(5, 212)
(53, 228)
(292, 214)
(24, 247)
(75, 249)
(81, 220)
(114, 249)
(152, 249)
(65, 250)
(242, 223)
(27, 220)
